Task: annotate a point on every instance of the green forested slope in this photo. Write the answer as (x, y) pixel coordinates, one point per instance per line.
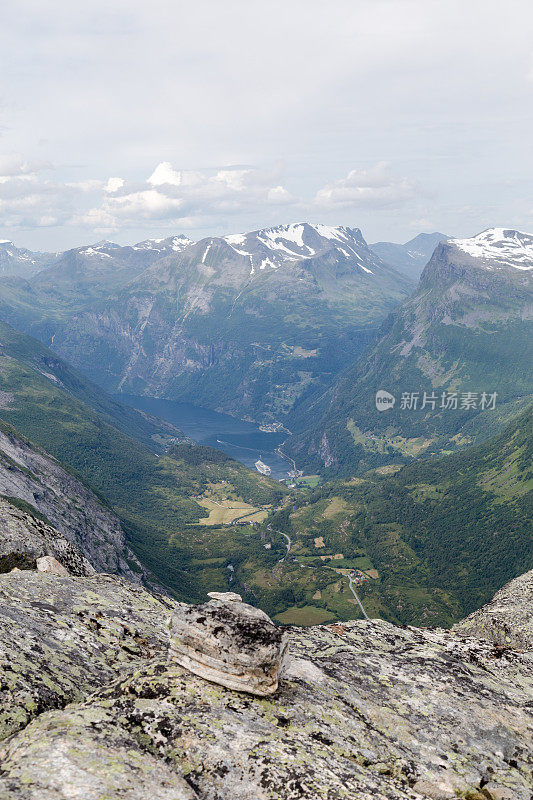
(467, 329)
(43, 398)
(443, 534)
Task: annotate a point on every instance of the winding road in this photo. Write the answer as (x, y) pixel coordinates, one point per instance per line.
(289, 545)
(350, 577)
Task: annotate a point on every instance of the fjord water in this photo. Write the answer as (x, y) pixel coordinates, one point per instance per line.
(240, 440)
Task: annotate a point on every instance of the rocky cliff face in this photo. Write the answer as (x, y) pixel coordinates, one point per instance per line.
(30, 475)
(26, 539)
(93, 707)
(507, 621)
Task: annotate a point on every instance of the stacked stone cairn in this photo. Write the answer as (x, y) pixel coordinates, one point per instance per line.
(230, 643)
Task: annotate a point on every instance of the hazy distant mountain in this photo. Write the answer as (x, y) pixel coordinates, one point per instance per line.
(409, 258)
(468, 328)
(246, 323)
(19, 261)
(172, 244)
(103, 267)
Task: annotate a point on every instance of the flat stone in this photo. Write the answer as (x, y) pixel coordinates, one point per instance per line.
(52, 565)
(230, 643)
(435, 790)
(498, 792)
(225, 596)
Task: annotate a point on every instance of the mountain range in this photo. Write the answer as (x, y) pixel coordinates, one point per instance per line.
(246, 324)
(19, 261)
(266, 304)
(468, 328)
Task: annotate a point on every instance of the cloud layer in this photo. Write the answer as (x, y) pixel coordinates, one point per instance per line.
(31, 196)
(133, 116)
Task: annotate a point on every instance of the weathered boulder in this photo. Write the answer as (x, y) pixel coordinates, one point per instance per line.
(51, 565)
(230, 643)
(507, 620)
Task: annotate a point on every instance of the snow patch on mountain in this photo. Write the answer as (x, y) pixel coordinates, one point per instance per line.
(235, 238)
(171, 243)
(274, 247)
(503, 247)
(94, 251)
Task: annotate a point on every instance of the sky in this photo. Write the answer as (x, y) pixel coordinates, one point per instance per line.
(125, 120)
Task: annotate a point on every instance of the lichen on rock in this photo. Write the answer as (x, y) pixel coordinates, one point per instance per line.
(365, 710)
(507, 620)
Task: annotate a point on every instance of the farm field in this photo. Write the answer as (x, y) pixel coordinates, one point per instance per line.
(224, 512)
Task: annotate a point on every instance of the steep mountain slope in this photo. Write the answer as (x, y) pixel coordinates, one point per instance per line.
(21, 354)
(430, 542)
(160, 501)
(364, 710)
(245, 324)
(26, 538)
(36, 482)
(467, 329)
(21, 262)
(409, 258)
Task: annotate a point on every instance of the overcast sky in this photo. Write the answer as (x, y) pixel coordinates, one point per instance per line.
(128, 120)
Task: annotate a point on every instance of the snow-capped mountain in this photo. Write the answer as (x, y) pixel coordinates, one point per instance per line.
(105, 266)
(499, 248)
(271, 248)
(19, 261)
(467, 329)
(245, 323)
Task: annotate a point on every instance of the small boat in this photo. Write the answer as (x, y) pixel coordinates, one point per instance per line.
(264, 469)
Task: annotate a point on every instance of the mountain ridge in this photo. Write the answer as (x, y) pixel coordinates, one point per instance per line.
(467, 328)
(409, 258)
(244, 324)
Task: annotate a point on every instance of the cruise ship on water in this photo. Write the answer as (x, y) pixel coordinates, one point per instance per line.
(264, 469)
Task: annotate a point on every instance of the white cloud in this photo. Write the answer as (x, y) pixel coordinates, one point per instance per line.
(278, 194)
(171, 197)
(163, 174)
(375, 187)
(113, 185)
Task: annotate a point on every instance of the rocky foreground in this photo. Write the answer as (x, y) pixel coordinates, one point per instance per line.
(95, 705)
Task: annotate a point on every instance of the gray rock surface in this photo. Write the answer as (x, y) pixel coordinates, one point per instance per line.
(24, 540)
(61, 638)
(230, 643)
(29, 474)
(507, 620)
(365, 709)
